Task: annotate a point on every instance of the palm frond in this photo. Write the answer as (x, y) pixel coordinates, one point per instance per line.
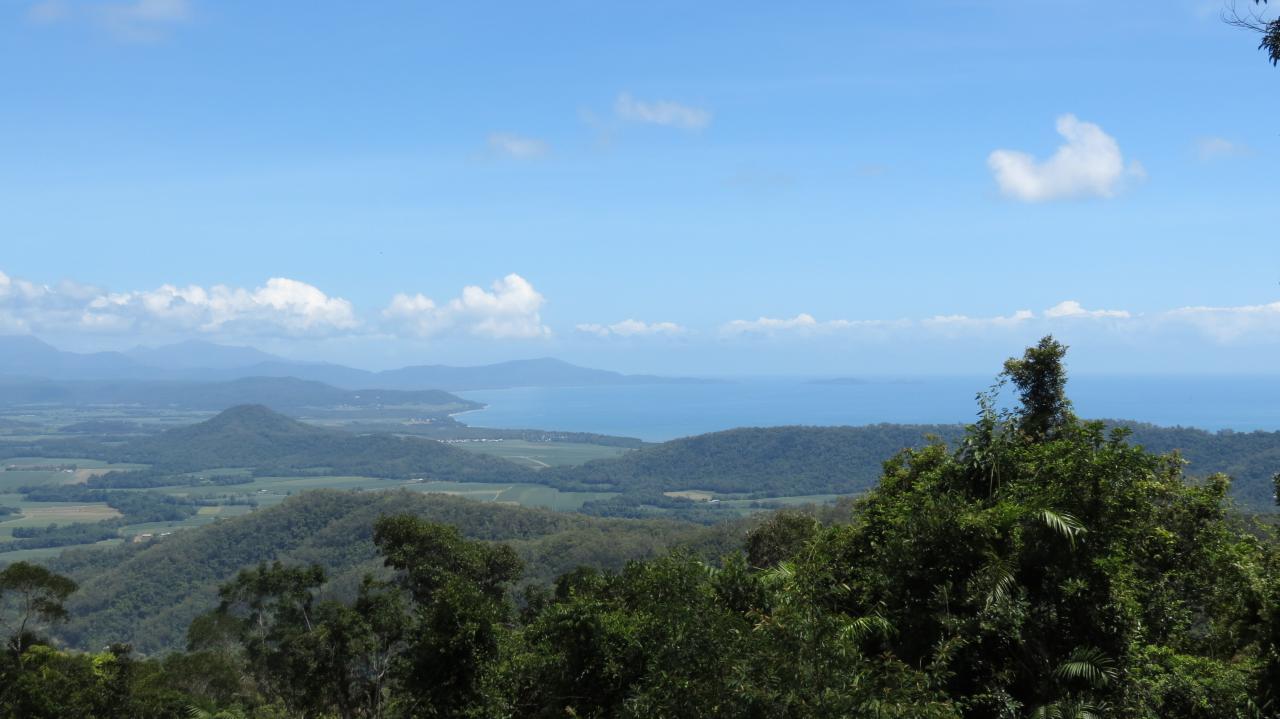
(1064, 524)
(1088, 664)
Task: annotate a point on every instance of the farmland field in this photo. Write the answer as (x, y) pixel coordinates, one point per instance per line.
(261, 492)
(51, 472)
(540, 455)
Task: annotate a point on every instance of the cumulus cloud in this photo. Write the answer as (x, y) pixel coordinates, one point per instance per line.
(510, 309)
(1071, 308)
(282, 305)
(128, 20)
(1088, 164)
(632, 328)
(661, 112)
(516, 146)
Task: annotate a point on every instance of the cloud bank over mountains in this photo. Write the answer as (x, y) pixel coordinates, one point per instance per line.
(511, 309)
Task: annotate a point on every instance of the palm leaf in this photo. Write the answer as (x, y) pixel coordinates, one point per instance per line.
(1064, 524)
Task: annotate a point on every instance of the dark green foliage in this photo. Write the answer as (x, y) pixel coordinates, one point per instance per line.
(61, 535)
(147, 594)
(1250, 458)
(1041, 381)
(755, 461)
(779, 538)
(1270, 30)
(30, 596)
(9, 511)
(150, 479)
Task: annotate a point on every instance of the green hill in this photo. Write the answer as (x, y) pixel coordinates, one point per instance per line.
(270, 443)
(147, 594)
(758, 460)
(783, 461)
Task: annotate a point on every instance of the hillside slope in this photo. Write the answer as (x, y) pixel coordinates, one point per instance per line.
(148, 594)
(758, 460)
(256, 437)
(782, 461)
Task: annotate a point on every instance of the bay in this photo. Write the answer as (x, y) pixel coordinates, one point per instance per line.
(658, 412)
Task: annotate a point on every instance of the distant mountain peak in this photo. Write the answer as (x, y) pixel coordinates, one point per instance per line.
(250, 418)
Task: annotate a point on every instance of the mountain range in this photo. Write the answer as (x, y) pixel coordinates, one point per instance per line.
(195, 361)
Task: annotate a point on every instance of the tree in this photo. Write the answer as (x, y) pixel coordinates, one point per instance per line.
(457, 617)
(1041, 380)
(33, 595)
(1269, 29)
(779, 538)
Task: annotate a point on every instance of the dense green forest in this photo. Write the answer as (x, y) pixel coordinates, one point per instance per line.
(1039, 566)
(146, 593)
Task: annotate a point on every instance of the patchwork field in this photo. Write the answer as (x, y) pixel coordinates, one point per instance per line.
(540, 455)
(30, 471)
(235, 499)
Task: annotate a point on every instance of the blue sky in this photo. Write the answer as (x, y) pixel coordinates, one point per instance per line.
(676, 187)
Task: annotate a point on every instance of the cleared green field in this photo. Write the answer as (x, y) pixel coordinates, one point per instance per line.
(42, 514)
(11, 479)
(35, 555)
(540, 454)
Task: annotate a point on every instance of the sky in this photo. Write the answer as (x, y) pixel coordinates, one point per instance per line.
(698, 188)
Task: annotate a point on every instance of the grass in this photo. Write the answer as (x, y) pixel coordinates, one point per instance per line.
(42, 514)
(85, 468)
(540, 455)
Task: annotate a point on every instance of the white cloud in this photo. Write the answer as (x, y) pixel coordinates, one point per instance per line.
(1217, 148)
(1088, 164)
(511, 310)
(282, 305)
(1071, 308)
(127, 20)
(1231, 324)
(632, 328)
(661, 112)
(520, 148)
(965, 321)
(802, 323)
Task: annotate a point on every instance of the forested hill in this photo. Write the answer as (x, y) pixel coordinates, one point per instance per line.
(270, 443)
(759, 460)
(1250, 458)
(147, 594)
(781, 461)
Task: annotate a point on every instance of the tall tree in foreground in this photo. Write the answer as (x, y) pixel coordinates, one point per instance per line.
(1050, 568)
(30, 596)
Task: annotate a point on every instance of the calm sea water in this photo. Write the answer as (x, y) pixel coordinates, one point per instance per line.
(661, 412)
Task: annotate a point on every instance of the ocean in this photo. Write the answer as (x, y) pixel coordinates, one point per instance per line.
(658, 412)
